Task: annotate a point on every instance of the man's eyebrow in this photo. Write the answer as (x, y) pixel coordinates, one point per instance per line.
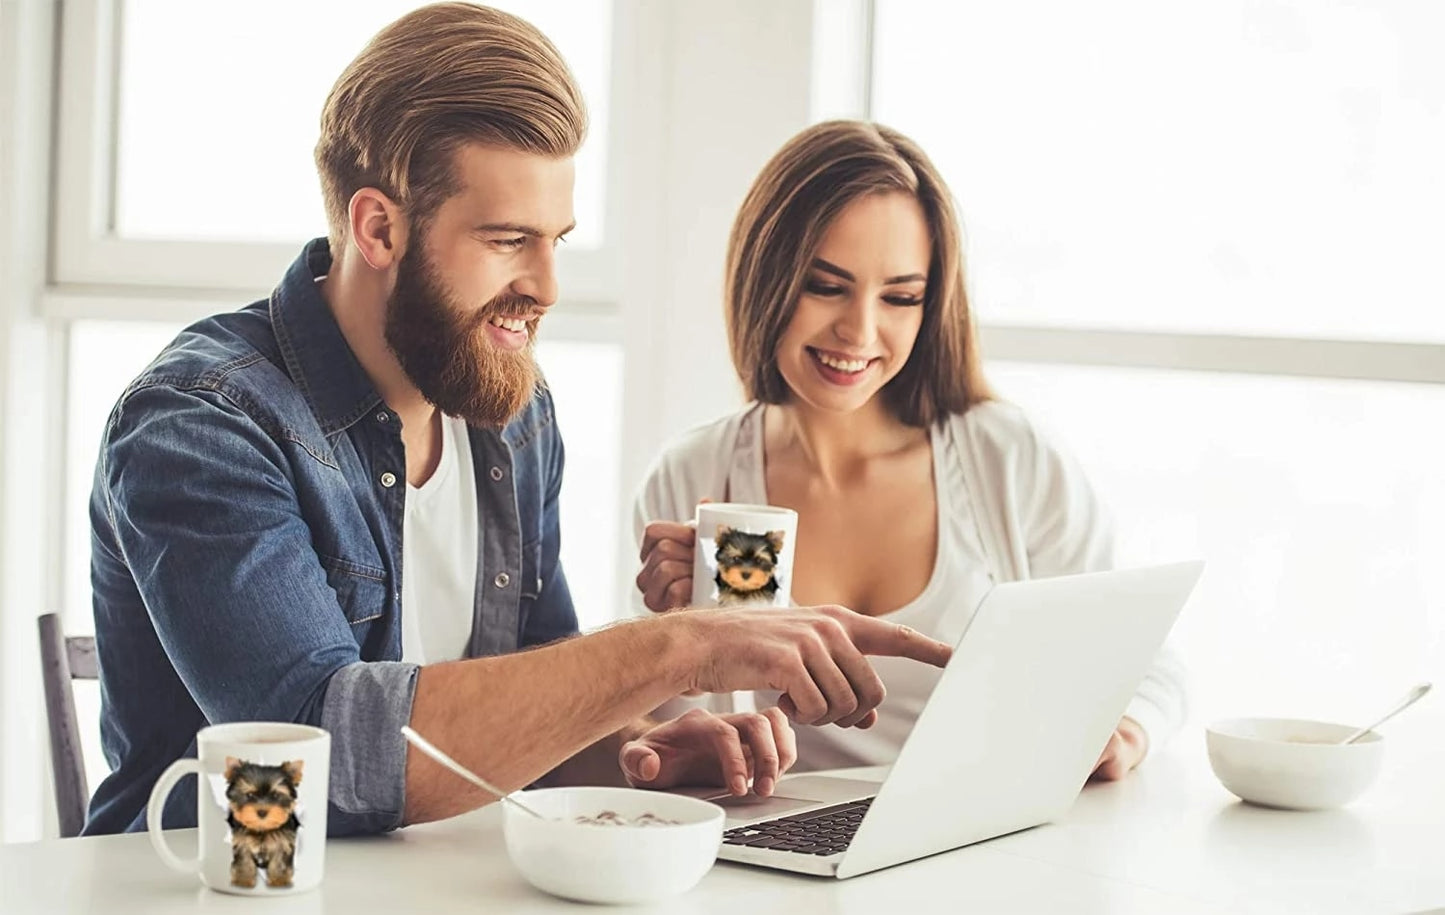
(837, 271)
(530, 231)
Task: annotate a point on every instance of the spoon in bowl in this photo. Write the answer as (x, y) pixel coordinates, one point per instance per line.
(424, 745)
(1410, 699)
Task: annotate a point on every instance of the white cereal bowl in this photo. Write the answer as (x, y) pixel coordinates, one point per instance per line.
(612, 864)
(1297, 765)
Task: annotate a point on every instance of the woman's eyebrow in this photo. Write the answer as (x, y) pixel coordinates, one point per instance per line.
(839, 272)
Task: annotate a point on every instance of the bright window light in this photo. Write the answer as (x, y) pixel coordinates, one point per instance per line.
(1221, 167)
(219, 105)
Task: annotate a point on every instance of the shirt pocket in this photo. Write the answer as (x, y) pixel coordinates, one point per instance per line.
(361, 591)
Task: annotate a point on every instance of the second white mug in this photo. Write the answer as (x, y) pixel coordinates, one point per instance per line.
(744, 555)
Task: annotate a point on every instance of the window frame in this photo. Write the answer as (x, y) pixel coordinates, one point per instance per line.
(86, 249)
(1343, 357)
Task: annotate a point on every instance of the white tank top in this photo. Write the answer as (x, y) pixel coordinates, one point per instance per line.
(439, 555)
(942, 610)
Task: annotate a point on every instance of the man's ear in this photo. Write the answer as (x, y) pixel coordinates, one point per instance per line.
(378, 228)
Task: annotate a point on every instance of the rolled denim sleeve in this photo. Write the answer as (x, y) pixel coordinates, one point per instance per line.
(205, 513)
(366, 705)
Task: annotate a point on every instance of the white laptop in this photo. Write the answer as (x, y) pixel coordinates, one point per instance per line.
(1010, 734)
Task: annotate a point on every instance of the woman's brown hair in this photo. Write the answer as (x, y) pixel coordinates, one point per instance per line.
(438, 77)
(797, 196)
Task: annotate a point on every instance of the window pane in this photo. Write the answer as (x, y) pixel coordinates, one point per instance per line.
(224, 152)
(1319, 507)
(587, 382)
(1229, 166)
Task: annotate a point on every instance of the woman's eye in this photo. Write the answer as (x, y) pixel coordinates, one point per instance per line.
(814, 287)
(904, 300)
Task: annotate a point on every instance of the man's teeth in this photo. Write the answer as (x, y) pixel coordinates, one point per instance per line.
(842, 365)
(516, 325)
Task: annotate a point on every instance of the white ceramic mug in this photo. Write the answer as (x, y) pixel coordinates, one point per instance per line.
(260, 807)
(744, 555)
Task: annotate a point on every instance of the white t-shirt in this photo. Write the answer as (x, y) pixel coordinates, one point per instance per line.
(1010, 506)
(439, 555)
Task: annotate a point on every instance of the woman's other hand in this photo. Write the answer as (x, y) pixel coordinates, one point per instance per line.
(666, 577)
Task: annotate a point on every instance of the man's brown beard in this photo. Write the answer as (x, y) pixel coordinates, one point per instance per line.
(444, 349)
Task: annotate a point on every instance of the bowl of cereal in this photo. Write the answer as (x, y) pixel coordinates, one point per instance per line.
(1292, 764)
(612, 845)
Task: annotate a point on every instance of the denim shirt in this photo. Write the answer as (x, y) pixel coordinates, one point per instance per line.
(246, 554)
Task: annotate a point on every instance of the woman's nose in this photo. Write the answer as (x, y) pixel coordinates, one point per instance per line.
(857, 325)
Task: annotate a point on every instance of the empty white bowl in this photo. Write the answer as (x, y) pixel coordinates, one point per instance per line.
(612, 864)
(1297, 765)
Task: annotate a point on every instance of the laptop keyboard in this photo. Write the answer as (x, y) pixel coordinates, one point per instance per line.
(825, 831)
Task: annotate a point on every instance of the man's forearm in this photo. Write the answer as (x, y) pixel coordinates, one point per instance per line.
(514, 718)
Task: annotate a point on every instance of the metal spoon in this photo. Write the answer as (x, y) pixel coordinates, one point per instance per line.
(424, 745)
(1410, 699)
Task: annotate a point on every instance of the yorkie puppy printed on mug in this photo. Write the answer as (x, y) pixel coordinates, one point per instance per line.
(747, 566)
(263, 814)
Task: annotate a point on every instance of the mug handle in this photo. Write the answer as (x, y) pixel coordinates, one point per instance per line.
(164, 786)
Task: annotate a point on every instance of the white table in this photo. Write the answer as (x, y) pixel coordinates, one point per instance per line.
(1168, 839)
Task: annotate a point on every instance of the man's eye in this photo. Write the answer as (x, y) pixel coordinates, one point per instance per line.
(510, 243)
(824, 289)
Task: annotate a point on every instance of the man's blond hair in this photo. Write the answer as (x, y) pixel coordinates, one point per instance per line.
(437, 78)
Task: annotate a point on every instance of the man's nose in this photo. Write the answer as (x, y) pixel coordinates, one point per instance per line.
(539, 281)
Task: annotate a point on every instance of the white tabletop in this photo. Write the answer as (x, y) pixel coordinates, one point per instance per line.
(1167, 839)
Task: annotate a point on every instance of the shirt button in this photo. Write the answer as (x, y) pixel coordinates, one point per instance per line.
(388, 479)
(382, 417)
(497, 474)
(502, 580)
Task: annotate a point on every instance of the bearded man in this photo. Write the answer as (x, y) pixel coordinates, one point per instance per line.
(338, 506)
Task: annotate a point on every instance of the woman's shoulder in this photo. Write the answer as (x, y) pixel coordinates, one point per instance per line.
(996, 425)
(999, 434)
(707, 442)
(693, 466)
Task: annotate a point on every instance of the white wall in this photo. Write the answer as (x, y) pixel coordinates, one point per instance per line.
(27, 522)
(682, 179)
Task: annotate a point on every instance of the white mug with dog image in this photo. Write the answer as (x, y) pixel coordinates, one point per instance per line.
(744, 555)
(260, 807)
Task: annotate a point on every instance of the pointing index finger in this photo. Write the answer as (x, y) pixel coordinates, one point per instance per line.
(881, 638)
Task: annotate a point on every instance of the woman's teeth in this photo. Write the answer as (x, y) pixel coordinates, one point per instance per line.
(851, 366)
(516, 325)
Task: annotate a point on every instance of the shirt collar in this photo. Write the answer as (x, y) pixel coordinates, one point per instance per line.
(318, 358)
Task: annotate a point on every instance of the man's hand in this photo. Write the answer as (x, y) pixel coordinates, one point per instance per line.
(666, 577)
(814, 656)
(700, 748)
(1125, 750)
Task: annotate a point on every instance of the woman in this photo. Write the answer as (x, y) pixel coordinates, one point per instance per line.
(915, 489)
